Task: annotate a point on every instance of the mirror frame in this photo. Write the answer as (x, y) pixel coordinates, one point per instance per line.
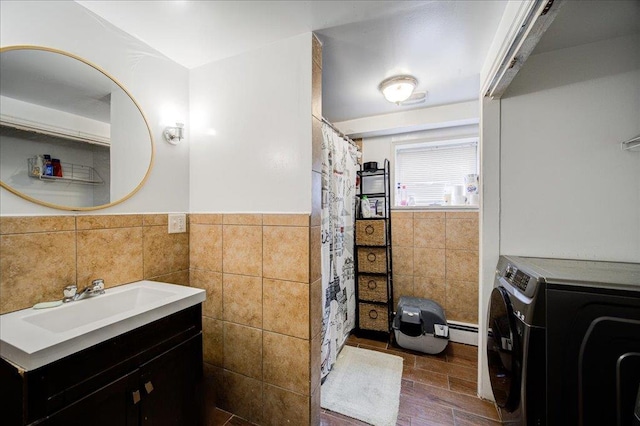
(144, 118)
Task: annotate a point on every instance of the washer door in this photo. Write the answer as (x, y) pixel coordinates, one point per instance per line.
(503, 348)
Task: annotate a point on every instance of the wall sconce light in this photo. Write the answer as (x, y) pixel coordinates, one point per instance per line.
(174, 135)
(398, 88)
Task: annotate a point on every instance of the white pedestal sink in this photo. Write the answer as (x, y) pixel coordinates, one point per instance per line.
(31, 338)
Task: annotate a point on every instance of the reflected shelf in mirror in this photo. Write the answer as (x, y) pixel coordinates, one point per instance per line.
(74, 173)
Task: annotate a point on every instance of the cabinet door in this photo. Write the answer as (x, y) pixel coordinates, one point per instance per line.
(171, 386)
(113, 404)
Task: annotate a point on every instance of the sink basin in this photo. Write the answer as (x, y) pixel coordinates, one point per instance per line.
(31, 338)
(80, 314)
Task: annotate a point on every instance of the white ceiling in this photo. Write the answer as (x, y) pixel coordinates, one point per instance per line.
(442, 43)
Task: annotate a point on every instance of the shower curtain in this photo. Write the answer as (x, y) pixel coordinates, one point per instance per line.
(339, 166)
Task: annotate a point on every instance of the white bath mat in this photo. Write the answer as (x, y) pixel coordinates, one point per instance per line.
(364, 385)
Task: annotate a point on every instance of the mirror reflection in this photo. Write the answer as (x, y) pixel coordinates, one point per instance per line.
(70, 136)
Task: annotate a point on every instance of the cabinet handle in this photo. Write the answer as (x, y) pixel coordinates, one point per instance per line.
(368, 229)
(373, 314)
(372, 285)
(371, 257)
(148, 387)
(136, 396)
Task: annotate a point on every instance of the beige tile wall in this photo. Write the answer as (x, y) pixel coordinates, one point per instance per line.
(261, 319)
(258, 345)
(41, 255)
(435, 256)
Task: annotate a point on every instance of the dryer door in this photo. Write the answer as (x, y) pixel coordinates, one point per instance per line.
(503, 348)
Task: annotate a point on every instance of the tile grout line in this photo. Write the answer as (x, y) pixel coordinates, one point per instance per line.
(453, 416)
(476, 414)
(462, 409)
(262, 348)
(75, 239)
(446, 285)
(143, 246)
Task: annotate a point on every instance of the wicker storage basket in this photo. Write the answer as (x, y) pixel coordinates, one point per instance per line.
(373, 288)
(370, 233)
(372, 260)
(373, 317)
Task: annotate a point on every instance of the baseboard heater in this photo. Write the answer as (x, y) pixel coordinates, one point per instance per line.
(463, 333)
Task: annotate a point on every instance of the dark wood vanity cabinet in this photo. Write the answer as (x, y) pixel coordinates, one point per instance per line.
(169, 383)
(106, 406)
(148, 376)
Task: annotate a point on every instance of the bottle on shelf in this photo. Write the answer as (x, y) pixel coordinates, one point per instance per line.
(47, 168)
(365, 207)
(446, 195)
(37, 167)
(57, 167)
(403, 195)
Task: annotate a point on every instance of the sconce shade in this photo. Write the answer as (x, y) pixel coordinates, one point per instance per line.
(398, 88)
(174, 135)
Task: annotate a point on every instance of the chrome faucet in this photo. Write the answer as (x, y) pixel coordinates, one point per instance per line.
(71, 292)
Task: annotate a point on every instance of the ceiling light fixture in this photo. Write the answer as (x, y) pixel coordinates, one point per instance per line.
(415, 99)
(398, 88)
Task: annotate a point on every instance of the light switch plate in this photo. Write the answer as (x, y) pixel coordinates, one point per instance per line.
(177, 223)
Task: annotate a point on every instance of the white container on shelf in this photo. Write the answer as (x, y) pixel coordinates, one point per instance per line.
(471, 184)
(446, 195)
(457, 195)
(372, 184)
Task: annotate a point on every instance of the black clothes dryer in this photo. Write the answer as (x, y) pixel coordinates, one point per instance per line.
(516, 343)
(574, 326)
(593, 341)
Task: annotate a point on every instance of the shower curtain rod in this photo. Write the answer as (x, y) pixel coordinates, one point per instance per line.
(342, 135)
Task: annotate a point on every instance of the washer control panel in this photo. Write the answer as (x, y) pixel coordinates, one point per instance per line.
(516, 277)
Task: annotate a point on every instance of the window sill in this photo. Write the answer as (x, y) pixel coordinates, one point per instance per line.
(461, 207)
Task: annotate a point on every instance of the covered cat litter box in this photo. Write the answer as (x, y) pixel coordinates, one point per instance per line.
(420, 325)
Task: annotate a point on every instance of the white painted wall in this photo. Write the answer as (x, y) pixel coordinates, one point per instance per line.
(489, 228)
(453, 121)
(554, 179)
(567, 189)
(383, 147)
(510, 24)
(157, 83)
(459, 114)
(251, 131)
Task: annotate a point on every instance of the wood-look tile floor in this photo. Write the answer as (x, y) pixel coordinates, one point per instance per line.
(436, 390)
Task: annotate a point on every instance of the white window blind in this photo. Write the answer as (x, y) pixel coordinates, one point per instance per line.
(426, 169)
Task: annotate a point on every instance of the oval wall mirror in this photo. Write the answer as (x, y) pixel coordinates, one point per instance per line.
(71, 137)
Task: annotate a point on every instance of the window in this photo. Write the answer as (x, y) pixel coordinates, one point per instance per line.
(427, 168)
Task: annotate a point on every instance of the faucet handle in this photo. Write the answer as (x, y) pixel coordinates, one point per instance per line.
(97, 285)
(70, 290)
